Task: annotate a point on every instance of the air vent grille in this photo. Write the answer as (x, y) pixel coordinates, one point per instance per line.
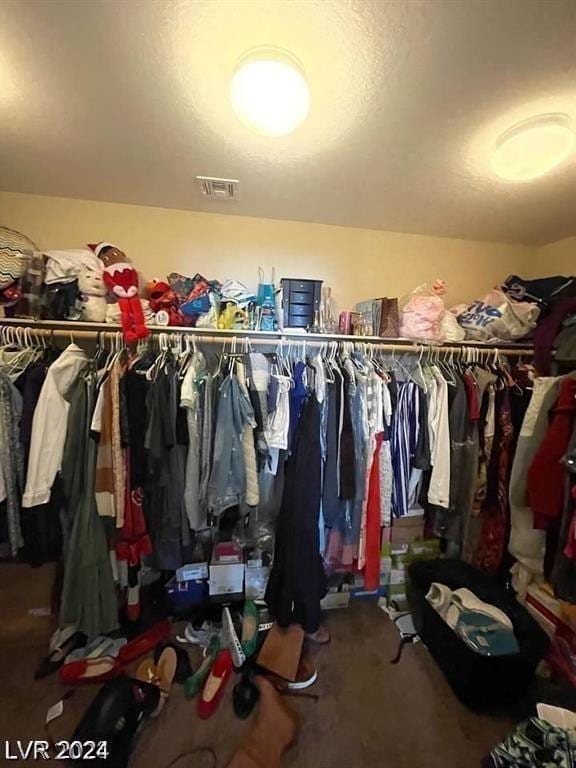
(219, 189)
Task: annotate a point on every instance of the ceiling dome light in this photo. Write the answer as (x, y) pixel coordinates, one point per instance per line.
(269, 92)
(533, 147)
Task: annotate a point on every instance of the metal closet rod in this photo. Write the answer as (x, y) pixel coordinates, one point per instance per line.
(70, 330)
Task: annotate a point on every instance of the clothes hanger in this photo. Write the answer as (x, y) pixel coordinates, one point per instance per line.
(395, 361)
(419, 378)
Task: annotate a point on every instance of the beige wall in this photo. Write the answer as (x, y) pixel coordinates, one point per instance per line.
(556, 258)
(357, 263)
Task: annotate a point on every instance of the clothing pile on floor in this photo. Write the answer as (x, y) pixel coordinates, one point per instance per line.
(535, 744)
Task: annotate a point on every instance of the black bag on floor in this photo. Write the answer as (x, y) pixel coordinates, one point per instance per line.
(114, 717)
(480, 682)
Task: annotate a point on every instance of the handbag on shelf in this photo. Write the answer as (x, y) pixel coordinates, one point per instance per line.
(389, 318)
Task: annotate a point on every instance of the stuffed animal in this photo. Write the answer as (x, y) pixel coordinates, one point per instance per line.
(92, 295)
(122, 280)
(162, 297)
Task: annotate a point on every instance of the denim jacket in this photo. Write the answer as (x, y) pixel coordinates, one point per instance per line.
(227, 485)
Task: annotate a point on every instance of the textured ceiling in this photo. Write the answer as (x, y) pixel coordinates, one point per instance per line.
(127, 100)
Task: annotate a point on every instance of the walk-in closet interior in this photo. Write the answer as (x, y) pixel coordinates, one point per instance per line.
(288, 383)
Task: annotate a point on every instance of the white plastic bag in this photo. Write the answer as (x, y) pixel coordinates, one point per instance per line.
(450, 328)
(496, 317)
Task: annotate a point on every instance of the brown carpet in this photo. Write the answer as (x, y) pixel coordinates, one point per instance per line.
(370, 714)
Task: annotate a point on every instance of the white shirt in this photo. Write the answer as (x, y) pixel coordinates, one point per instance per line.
(439, 491)
(432, 388)
(49, 426)
(278, 422)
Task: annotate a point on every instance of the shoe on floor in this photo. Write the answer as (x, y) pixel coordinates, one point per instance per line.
(183, 667)
(244, 697)
(273, 730)
(194, 683)
(231, 639)
(249, 629)
(215, 683)
(57, 656)
(200, 636)
(306, 676)
(320, 637)
(90, 670)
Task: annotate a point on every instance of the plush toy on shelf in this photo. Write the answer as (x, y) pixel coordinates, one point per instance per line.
(92, 295)
(163, 299)
(122, 280)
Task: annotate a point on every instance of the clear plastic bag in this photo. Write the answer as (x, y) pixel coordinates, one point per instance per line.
(422, 313)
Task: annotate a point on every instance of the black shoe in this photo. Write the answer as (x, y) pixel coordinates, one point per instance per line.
(54, 661)
(244, 697)
(183, 667)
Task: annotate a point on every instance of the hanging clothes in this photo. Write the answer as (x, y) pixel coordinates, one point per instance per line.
(49, 426)
(297, 581)
(88, 592)
(227, 486)
(11, 459)
(166, 439)
(546, 474)
(496, 509)
(190, 401)
(527, 545)
(252, 493)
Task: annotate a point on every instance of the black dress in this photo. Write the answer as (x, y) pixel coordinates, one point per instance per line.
(297, 582)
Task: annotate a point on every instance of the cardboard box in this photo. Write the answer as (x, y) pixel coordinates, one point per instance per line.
(407, 529)
(426, 549)
(192, 572)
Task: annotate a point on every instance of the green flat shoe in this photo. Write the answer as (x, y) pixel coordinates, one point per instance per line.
(250, 628)
(193, 684)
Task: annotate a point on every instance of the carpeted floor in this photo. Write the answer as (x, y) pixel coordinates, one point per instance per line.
(369, 714)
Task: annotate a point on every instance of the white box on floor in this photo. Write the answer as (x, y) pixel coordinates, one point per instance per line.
(226, 578)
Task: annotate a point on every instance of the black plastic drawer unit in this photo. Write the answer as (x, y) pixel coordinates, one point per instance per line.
(300, 300)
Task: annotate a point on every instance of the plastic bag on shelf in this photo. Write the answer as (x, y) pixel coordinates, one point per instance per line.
(450, 328)
(497, 317)
(422, 313)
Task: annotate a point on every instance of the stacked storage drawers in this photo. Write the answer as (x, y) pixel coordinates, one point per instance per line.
(300, 300)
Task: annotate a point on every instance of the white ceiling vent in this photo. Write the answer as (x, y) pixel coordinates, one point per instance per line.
(219, 189)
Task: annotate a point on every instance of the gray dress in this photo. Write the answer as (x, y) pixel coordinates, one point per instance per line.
(11, 457)
(88, 593)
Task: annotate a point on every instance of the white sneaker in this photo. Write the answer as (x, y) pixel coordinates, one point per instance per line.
(299, 685)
